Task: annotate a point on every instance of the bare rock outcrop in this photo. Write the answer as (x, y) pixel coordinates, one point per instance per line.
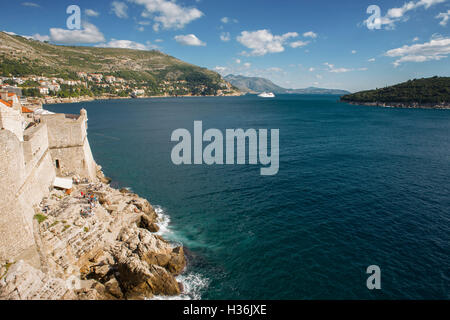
(112, 253)
(23, 282)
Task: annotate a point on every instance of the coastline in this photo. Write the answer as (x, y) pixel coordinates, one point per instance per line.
(400, 105)
(114, 253)
(43, 101)
(66, 233)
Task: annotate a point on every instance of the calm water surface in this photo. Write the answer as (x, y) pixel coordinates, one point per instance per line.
(357, 186)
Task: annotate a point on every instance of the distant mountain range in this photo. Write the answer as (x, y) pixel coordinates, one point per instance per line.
(258, 85)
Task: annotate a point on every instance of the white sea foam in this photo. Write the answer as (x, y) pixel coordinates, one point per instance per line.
(163, 221)
(193, 283)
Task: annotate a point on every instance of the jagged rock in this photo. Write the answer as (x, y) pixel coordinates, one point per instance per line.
(181, 286)
(177, 261)
(147, 223)
(96, 291)
(113, 287)
(100, 273)
(117, 255)
(144, 206)
(139, 279)
(23, 282)
(101, 176)
(162, 282)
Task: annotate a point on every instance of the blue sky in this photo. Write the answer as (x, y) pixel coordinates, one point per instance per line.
(295, 43)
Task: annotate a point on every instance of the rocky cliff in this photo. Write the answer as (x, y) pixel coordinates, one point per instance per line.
(112, 251)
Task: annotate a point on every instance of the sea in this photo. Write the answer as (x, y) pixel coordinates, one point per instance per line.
(357, 186)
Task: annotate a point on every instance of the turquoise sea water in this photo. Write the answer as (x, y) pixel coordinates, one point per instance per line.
(357, 186)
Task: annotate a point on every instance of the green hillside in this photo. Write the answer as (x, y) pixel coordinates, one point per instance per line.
(23, 57)
(421, 91)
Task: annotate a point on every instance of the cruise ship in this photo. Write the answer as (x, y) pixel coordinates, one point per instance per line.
(266, 95)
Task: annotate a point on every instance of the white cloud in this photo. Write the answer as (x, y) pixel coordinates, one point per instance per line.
(247, 65)
(226, 20)
(353, 51)
(159, 40)
(398, 14)
(310, 34)
(225, 36)
(91, 13)
(415, 39)
(238, 61)
(275, 69)
(311, 69)
(371, 60)
(168, 14)
(36, 36)
(39, 37)
(444, 16)
(189, 40)
(127, 44)
(435, 49)
(120, 9)
(30, 4)
(263, 41)
(89, 34)
(333, 69)
(220, 69)
(298, 44)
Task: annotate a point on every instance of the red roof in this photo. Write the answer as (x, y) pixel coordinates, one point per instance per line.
(26, 110)
(8, 104)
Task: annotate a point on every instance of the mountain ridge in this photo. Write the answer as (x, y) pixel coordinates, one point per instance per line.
(259, 84)
(20, 56)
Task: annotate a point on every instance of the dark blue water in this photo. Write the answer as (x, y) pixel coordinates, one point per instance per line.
(357, 186)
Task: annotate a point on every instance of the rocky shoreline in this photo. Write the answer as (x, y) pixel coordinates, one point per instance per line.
(401, 105)
(114, 252)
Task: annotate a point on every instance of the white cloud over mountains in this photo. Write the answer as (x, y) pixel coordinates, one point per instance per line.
(333, 69)
(127, 44)
(88, 34)
(263, 41)
(189, 40)
(168, 14)
(435, 49)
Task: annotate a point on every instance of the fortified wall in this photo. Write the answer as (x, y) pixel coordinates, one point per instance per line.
(30, 159)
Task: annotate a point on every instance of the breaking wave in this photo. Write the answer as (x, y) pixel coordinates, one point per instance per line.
(193, 283)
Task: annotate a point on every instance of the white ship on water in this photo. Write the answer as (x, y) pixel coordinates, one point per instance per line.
(266, 95)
